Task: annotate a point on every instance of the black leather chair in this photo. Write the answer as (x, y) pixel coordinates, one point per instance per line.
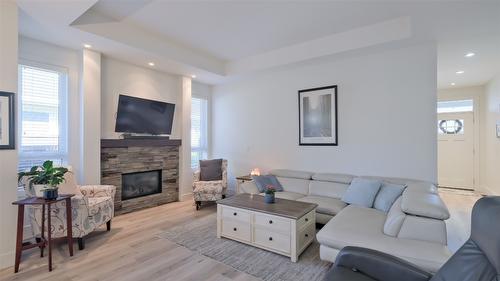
(477, 260)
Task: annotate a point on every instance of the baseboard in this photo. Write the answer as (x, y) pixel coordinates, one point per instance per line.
(7, 259)
(186, 197)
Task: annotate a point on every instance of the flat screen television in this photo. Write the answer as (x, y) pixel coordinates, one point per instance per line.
(143, 116)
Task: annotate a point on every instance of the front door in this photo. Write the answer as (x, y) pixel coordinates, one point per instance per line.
(456, 150)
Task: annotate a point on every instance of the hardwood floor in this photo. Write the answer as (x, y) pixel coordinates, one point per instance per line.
(132, 250)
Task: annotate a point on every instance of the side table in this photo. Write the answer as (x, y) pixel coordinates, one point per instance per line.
(44, 242)
(240, 180)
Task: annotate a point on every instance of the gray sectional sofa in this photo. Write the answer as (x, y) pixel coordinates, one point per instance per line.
(413, 229)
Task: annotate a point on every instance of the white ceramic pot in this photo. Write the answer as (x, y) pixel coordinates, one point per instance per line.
(38, 189)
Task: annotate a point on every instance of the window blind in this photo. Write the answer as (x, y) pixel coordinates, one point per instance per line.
(199, 138)
(42, 112)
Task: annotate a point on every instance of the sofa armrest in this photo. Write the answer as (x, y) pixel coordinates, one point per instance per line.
(98, 191)
(379, 266)
(424, 204)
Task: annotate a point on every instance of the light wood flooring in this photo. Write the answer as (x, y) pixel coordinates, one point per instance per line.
(132, 250)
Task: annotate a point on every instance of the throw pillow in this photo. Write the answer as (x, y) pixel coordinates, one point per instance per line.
(386, 196)
(69, 186)
(263, 181)
(362, 192)
(211, 170)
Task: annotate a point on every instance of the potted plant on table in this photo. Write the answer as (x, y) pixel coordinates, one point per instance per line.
(269, 194)
(44, 179)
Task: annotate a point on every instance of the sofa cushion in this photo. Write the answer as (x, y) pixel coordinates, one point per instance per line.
(362, 227)
(326, 205)
(262, 182)
(211, 170)
(340, 178)
(395, 219)
(327, 188)
(386, 196)
(291, 174)
(362, 192)
(424, 204)
(294, 185)
(287, 195)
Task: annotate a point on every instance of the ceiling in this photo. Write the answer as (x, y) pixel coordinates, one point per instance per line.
(216, 40)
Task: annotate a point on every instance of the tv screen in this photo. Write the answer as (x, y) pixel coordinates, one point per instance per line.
(136, 115)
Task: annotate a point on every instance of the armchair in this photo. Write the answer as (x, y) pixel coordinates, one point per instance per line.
(209, 190)
(92, 206)
(477, 260)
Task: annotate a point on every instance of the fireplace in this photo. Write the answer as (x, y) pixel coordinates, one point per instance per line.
(140, 184)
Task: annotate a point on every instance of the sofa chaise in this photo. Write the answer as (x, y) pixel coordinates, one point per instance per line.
(413, 229)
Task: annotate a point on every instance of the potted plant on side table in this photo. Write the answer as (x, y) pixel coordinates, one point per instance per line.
(44, 179)
(269, 194)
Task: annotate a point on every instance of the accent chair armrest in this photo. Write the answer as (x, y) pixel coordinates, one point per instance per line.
(196, 176)
(379, 266)
(98, 191)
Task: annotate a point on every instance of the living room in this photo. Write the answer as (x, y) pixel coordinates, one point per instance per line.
(208, 140)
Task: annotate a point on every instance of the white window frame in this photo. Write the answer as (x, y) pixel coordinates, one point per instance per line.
(63, 113)
(206, 129)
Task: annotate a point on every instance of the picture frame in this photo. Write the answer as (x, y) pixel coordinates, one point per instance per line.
(7, 121)
(498, 129)
(318, 116)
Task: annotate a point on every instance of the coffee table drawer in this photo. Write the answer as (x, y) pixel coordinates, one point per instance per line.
(273, 223)
(305, 220)
(306, 235)
(236, 229)
(236, 214)
(272, 240)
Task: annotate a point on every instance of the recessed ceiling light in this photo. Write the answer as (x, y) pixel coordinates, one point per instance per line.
(193, 76)
(151, 63)
(453, 84)
(88, 46)
(460, 72)
(468, 55)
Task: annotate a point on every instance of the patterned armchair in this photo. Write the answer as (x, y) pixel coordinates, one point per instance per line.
(209, 190)
(92, 206)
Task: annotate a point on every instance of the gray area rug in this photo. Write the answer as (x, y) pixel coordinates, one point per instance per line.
(200, 235)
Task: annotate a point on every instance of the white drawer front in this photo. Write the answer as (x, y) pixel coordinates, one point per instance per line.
(273, 223)
(236, 214)
(236, 229)
(306, 235)
(306, 219)
(272, 240)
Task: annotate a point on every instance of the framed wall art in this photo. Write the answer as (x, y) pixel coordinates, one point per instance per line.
(318, 116)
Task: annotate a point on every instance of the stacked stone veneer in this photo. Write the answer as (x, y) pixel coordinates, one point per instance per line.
(116, 161)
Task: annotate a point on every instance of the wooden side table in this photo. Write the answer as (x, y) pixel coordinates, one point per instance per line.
(240, 180)
(44, 242)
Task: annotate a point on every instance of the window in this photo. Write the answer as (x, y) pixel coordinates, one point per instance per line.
(455, 106)
(42, 114)
(199, 137)
(451, 127)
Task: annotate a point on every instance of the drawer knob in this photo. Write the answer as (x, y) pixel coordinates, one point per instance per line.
(234, 229)
(270, 239)
(307, 235)
(306, 219)
(270, 222)
(234, 214)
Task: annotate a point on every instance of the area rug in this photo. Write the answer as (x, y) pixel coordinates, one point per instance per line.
(200, 235)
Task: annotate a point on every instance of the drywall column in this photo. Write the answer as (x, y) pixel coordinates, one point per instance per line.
(8, 158)
(90, 124)
(185, 172)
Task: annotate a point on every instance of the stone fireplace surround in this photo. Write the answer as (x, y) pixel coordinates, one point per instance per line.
(121, 156)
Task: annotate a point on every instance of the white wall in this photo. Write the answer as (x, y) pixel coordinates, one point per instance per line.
(490, 176)
(38, 52)
(120, 77)
(90, 117)
(387, 116)
(8, 158)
